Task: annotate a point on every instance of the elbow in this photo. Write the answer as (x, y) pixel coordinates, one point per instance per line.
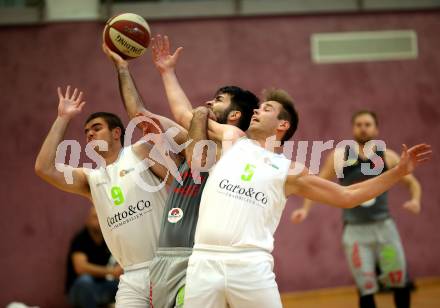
(184, 119)
(41, 170)
(38, 169)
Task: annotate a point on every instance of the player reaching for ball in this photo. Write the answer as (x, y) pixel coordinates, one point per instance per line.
(128, 214)
(245, 195)
(370, 235)
(231, 105)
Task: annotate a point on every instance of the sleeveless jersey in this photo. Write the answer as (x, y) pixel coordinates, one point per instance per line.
(243, 198)
(179, 219)
(129, 215)
(372, 210)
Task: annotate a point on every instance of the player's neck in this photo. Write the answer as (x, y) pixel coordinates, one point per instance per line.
(361, 149)
(270, 143)
(111, 155)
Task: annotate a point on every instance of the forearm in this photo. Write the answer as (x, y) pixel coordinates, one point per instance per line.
(46, 157)
(130, 96)
(180, 105)
(307, 204)
(366, 190)
(197, 132)
(415, 189)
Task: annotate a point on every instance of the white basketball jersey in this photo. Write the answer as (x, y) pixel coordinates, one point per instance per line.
(128, 214)
(243, 198)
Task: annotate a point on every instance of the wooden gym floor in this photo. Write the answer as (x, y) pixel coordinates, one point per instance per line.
(426, 295)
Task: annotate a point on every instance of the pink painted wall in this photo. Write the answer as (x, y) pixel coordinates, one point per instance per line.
(37, 221)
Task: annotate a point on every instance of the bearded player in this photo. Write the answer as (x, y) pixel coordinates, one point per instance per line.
(370, 235)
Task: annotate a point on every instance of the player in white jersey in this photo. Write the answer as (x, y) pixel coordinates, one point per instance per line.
(128, 197)
(245, 195)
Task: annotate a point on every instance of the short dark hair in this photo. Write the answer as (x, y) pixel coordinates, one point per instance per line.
(112, 121)
(288, 112)
(362, 112)
(241, 100)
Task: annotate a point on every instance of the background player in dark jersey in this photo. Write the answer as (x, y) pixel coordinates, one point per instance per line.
(87, 285)
(370, 235)
(230, 105)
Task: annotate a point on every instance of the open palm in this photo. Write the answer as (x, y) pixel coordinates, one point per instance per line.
(70, 105)
(162, 57)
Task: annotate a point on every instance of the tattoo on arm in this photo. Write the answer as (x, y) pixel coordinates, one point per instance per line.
(198, 132)
(133, 102)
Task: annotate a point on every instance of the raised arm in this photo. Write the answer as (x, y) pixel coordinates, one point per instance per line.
(323, 191)
(165, 63)
(414, 204)
(68, 107)
(327, 172)
(180, 105)
(133, 103)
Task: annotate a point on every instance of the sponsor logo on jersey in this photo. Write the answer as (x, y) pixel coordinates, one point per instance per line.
(124, 172)
(131, 213)
(249, 194)
(267, 161)
(175, 215)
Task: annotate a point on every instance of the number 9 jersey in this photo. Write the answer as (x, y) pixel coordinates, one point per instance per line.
(129, 201)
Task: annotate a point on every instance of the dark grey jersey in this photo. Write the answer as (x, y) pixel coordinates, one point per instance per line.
(372, 210)
(182, 210)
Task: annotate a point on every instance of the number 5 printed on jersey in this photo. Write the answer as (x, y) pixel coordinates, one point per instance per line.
(248, 173)
(117, 195)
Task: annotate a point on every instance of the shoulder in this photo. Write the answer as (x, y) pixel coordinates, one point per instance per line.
(232, 133)
(140, 150)
(297, 169)
(337, 154)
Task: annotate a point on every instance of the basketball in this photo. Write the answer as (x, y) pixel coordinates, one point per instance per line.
(127, 34)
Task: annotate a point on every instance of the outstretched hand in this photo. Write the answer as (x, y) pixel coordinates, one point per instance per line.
(162, 57)
(117, 59)
(70, 105)
(411, 158)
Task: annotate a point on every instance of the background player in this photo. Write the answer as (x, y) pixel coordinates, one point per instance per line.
(370, 235)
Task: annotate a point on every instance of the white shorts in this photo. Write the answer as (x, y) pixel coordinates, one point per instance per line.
(134, 289)
(231, 278)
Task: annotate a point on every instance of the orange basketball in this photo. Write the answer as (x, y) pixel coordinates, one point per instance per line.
(127, 34)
